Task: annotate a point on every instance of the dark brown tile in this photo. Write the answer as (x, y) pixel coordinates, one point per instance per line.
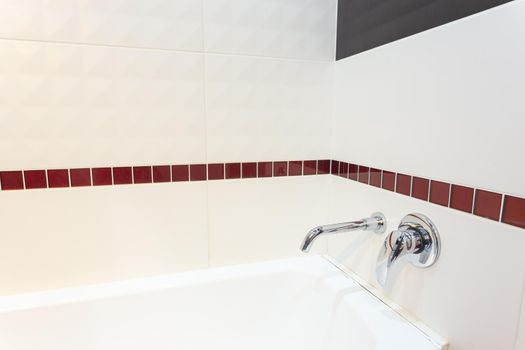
(295, 168)
(249, 170)
(487, 204)
(420, 187)
(323, 166)
(58, 178)
(375, 177)
(80, 177)
(514, 211)
(233, 170)
(335, 167)
(12, 180)
(363, 174)
(353, 171)
(439, 192)
(264, 169)
(462, 198)
(35, 179)
(161, 173)
(280, 168)
(122, 176)
(216, 171)
(102, 176)
(180, 173)
(310, 167)
(403, 184)
(389, 180)
(343, 169)
(142, 174)
(197, 172)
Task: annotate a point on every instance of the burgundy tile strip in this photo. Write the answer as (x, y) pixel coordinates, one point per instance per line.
(491, 205)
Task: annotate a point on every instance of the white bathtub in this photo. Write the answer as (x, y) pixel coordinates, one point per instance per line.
(304, 303)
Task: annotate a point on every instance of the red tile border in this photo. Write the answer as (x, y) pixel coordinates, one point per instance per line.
(514, 211)
(334, 170)
(375, 177)
(197, 172)
(487, 204)
(161, 173)
(280, 168)
(122, 175)
(353, 171)
(233, 170)
(420, 188)
(439, 192)
(142, 175)
(35, 179)
(249, 170)
(403, 183)
(310, 167)
(58, 178)
(363, 174)
(102, 176)
(180, 173)
(216, 171)
(389, 181)
(264, 169)
(12, 180)
(295, 168)
(323, 166)
(462, 198)
(80, 177)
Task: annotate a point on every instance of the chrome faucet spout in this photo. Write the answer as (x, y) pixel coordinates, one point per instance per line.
(376, 223)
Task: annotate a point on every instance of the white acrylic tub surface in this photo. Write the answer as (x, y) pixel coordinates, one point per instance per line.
(304, 303)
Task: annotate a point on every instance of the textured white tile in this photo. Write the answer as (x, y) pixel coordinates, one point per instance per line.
(263, 219)
(267, 109)
(71, 105)
(440, 104)
(58, 238)
(168, 24)
(471, 296)
(279, 28)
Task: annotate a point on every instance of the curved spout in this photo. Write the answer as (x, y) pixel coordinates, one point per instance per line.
(376, 222)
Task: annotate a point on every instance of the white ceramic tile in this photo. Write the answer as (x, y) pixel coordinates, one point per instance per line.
(267, 109)
(446, 103)
(471, 296)
(279, 28)
(168, 24)
(520, 340)
(74, 105)
(263, 219)
(58, 238)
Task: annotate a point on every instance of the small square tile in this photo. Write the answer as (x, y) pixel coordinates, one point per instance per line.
(58, 178)
(102, 176)
(264, 169)
(295, 168)
(180, 173)
(363, 174)
(403, 184)
(80, 177)
(35, 179)
(487, 204)
(323, 166)
(514, 211)
(343, 170)
(122, 175)
(216, 171)
(353, 171)
(310, 167)
(197, 172)
(389, 180)
(161, 173)
(142, 175)
(233, 170)
(12, 180)
(375, 177)
(249, 170)
(280, 168)
(439, 192)
(462, 198)
(335, 167)
(420, 188)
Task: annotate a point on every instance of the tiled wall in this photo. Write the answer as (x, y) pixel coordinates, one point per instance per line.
(104, 92)
(443, 110)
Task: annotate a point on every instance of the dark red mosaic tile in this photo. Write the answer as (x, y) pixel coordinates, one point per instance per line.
(514, 211)
(310, 167)
(102, 176)
(420, 187)
(12, 180)
(462, 198)
(363, 174)
(389, 180)
(295, 168)
(403, 184)
(249, 170)
(343, 169)
(323, 166)
(264, 169)
(487, 204)
(375, 177)
(197, 172)
(122, 175)
(233, 170)
(439, 192)
(80, 177)
(35, 179)
(58, 178)
(280, 168)
(180, 173)
(335, 167)
(353, 171)
(161, 173)
(216, 171)
(142, 175)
